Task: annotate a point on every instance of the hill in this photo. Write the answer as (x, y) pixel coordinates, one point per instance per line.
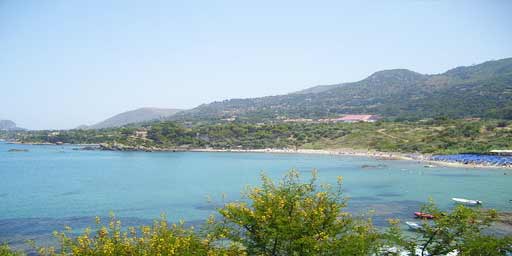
(133, 116)
(483, 90)
(8, 125)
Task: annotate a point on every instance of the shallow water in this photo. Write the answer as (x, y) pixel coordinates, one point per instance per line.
(51, 186)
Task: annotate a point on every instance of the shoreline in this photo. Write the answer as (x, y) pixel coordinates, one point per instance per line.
(420, 158)
(47, 143)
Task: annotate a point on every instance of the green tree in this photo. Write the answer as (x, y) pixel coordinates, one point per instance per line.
(294, 218)
(5, 250)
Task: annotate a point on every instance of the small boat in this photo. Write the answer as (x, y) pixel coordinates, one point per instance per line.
(400, 251)
(423, 215)
(413, 225)
(453, 253)
(467, 201)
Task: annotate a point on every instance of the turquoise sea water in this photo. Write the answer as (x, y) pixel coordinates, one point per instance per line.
(51, 186)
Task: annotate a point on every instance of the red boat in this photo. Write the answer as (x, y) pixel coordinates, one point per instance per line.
(423, 215)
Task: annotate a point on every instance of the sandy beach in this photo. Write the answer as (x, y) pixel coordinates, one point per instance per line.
(421, 158)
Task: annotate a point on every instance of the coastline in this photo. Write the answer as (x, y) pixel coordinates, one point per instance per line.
(28, 143)
(420, 158)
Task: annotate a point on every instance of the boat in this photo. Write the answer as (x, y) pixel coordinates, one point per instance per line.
(467, 201)
(400, 251)
(453, 253)
(413, 225)
(423, 215)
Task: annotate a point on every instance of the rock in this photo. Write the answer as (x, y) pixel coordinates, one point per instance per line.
(364, 166)
(17, 150)
(89, 148)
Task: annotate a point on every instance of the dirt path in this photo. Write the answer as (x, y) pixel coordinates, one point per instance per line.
(381, 131)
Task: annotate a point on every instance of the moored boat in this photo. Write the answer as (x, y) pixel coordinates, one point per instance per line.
(423, 215)
(413, 225)
(466, 201)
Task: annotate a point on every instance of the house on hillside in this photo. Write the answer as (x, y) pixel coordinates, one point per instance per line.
(229, 119)
(501, 152)
(298, 120)
(141, 133)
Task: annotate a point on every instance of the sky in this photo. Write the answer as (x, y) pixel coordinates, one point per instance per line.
(68, 63)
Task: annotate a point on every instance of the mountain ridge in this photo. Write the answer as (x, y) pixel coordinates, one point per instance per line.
(9, 125)
(139, 115)
(482, 90)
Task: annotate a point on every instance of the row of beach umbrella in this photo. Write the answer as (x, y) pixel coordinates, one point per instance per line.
(475, 159)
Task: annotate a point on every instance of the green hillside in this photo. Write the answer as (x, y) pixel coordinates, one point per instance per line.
(440, 136)
(483, 90)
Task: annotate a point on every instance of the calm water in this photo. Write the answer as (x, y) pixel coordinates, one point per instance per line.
(51, 186)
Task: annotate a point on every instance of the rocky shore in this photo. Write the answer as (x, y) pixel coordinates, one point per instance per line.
(17, 150)
(122, 147)
(29, 143)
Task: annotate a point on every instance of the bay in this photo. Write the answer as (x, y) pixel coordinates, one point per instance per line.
(51, 186)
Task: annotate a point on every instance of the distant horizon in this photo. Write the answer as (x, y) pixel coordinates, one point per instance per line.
(63, 68)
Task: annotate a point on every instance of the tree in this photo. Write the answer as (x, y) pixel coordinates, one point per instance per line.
(294, 218)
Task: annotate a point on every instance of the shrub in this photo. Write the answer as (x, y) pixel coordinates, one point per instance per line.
(159, 239)
(294, 218)
(5, 250)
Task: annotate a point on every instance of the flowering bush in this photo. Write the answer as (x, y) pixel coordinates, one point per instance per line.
(294, 218)
(158, 239)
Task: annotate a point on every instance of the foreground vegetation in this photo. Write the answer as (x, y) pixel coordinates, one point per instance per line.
(429, 136)
(289, 218)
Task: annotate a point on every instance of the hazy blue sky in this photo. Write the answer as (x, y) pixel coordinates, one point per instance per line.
(66, 63)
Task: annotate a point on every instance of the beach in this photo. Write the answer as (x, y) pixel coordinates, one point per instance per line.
(421, 158)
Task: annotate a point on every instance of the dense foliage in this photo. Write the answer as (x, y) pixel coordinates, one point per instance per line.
(294, 218)
(287, 218)
(158, 239)
(68, 136)
(429, 136)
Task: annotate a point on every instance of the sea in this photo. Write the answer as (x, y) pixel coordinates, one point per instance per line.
(48, 187)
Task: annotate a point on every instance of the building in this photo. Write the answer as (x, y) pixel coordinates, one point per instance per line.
(141, 133)
(501, 152)
(298, 120)
(229, 119)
